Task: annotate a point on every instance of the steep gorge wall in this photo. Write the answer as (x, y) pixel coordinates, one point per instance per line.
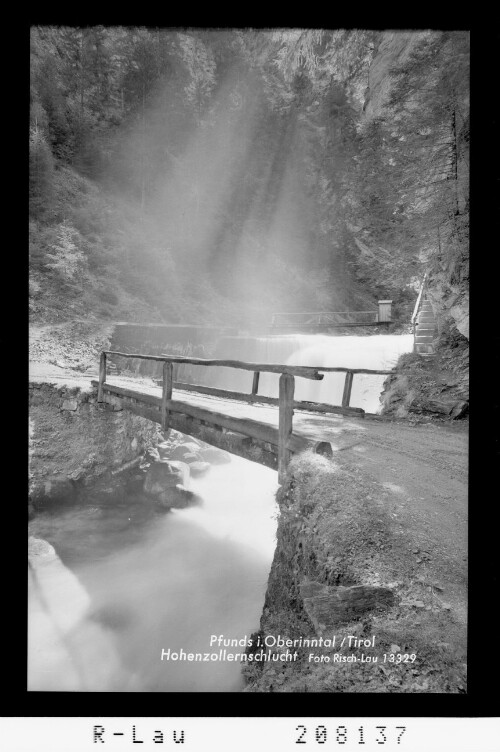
(393, 49)
(448, 283)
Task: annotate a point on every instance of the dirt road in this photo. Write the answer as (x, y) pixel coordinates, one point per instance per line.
(423, 470)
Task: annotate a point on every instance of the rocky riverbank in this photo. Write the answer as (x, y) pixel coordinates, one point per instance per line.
(347, 566)
(77, 443)
(168, 467)
(435, 387)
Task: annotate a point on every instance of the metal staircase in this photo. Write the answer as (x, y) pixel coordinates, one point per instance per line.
(425, 330)
(424, 324)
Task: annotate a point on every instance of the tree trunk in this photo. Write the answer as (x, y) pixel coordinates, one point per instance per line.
(81, 77)
(143, 154)
(454, 153)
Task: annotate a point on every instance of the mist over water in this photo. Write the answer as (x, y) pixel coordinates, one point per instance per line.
(128, 589)
(216, 173)
(223, 200)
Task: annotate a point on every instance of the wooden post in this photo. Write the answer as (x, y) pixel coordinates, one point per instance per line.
(255, 383)
(102, 378)
(384, 310)
(286, 390)
(166, 394)
(346, 397)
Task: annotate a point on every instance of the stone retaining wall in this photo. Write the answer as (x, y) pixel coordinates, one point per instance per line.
(74, 440)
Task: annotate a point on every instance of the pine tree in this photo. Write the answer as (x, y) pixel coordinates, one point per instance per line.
(66, 257)
(41, 168)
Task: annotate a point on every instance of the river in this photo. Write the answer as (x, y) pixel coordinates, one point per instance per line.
(137, 584)
(124, 583)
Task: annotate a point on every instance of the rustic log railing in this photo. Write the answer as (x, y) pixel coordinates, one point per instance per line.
(283, 438)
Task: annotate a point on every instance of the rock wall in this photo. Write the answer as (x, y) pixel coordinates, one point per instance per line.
(434, 388)
(448, 292)
(393, 49)
(448, 284)
(74, 440)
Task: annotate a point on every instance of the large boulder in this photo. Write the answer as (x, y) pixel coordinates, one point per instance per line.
(164, 449)
(135, 484)
(199, 468)
(59, 629)
(53, 589)
(152, 455)
(53, 489)
(40, 551)
(215, 456)
(161, 476)
(187, 452)
(178, 497)
(328, 606)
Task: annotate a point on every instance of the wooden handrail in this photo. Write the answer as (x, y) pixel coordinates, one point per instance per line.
(286, 402)
(306, 372)
(320, 407)
(255, 382)
(341, 369)
(166, 393)
(285, 422)
(102, 377)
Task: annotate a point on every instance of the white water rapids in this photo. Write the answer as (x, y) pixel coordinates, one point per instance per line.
(121, 587)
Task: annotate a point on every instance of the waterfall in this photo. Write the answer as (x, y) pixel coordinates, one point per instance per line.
(375, 352)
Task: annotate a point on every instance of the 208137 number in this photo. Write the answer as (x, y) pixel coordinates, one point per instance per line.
(339, 735)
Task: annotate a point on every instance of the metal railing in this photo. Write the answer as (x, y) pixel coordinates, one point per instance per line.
(334, 318)
(416, 309)
(323, 318)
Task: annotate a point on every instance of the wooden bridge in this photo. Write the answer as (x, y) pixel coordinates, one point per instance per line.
(235, 421)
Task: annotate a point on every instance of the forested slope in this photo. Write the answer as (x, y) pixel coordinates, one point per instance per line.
(204, 176)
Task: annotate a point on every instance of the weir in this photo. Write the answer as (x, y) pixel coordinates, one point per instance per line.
(248, 425)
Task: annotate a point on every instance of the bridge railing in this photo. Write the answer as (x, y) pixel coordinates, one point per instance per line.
(314, 319)
(285, 402)
(323, 318)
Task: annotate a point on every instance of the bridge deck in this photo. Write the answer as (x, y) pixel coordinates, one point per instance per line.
(426, 459)
(309, 425)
